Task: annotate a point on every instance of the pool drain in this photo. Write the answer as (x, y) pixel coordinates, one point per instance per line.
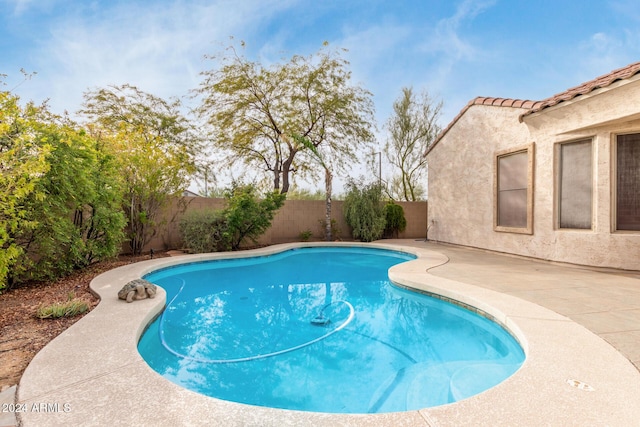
(580, 385)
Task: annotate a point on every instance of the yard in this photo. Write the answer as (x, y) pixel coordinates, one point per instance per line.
(23, 334)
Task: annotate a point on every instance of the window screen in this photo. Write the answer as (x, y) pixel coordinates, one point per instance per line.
(512, 190)
(628, 182)
(575, 187)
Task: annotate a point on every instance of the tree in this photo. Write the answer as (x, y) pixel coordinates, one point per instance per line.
(412, 128)
(78, 219)
(155, 146)
(206, 174)
(328, 180)
(101, 221)
(253, 111)
(364, 211)
(60, 198)
(22, 163)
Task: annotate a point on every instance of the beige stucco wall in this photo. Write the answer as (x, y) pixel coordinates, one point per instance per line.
(293, 218)
(461, 178)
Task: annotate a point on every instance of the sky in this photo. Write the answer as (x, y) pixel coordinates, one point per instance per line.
(454, 49)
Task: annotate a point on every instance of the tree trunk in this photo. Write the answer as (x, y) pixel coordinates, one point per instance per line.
(327, 180)
(405, 186)
(286, 169)
(276, 179)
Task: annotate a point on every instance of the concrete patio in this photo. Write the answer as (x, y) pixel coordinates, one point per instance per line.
(605, 301)
(580, 328)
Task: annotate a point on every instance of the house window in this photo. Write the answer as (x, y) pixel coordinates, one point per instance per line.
(628, 182)
(513, 191)
(575, 185)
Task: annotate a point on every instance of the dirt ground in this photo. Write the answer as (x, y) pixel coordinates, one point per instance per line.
(22, 334)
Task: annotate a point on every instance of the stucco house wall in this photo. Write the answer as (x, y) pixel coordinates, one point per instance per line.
(462, 172)
(461, 178)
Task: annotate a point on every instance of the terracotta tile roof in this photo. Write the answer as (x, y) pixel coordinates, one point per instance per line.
(503, 102)
(535, 106)
(585, 88)
(482, 100)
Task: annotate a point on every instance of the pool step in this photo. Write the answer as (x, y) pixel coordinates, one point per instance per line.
(478, 377)
(413, 387)
(427, 384)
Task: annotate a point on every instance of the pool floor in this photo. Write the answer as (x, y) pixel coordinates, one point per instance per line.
(338, 337)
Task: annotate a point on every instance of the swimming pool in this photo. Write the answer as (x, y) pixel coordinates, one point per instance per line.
(321, 329)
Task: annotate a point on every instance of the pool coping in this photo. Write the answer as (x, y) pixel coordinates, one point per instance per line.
(92, 374)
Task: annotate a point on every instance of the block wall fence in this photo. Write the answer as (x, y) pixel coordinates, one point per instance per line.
(295, 217)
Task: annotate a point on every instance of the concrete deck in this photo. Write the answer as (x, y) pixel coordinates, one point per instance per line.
(92, 374)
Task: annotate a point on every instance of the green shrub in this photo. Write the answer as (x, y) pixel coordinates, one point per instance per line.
(364, 212)
(305, 235)
(72, 307)
(244, 217)
(395, 220)
(247, 216)
(204, 231)
(60, 195)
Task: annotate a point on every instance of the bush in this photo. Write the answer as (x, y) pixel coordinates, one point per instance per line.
(59, 192)
(395, 220)
(305, 235)
(245, 217)
(204, 231)
(364, 212)
(72, 307)
(78, 219)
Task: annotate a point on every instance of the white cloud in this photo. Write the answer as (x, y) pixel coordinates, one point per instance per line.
(606, 51)
(18, 6)
(602, 44)
(372, 52)
(447, 46)
(21, 7)
(447, 36)
(386, 57)
(159, 49)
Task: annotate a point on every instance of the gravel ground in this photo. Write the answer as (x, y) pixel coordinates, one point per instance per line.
(22, 334)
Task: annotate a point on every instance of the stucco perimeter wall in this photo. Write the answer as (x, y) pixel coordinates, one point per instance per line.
(461, 178)
(295, 217)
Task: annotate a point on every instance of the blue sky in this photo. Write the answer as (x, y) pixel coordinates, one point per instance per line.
(455, 49)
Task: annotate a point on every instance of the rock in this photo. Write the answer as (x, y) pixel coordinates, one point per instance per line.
(137, 289)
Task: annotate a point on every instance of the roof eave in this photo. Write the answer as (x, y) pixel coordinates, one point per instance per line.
(485, 101)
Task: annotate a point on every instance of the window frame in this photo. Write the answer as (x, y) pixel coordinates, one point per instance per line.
(614, 183)
(530, 150)
(558, 184)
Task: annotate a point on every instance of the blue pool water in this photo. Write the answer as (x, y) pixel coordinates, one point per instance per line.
(321, 329)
